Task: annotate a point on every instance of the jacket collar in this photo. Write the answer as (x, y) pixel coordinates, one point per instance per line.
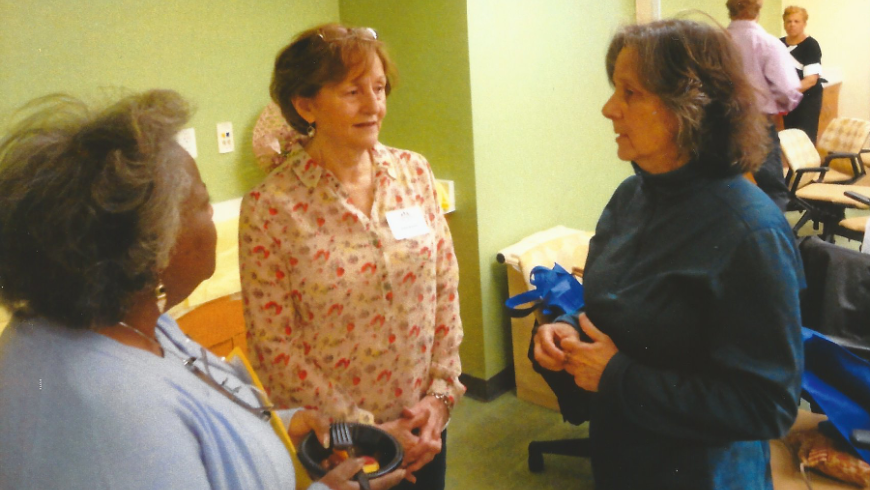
(697, 172)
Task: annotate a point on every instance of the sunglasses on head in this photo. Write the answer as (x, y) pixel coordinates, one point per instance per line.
(340, 33)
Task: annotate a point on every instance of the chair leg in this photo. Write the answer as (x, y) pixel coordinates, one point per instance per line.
(830, 221)
(801, 222)
(564, 447)
(536, 459)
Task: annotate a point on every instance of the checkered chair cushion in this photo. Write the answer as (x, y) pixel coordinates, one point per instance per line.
(799, 153)
(848, 135)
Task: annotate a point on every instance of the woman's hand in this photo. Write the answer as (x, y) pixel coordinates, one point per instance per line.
(429, 444)
(414, 432)
(549, 344)
(303, 422)
(341, 477)
(586, 360)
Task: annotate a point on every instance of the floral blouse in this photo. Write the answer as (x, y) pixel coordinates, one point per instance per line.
(341, 315)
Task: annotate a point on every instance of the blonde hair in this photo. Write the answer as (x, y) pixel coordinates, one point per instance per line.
(795, 10)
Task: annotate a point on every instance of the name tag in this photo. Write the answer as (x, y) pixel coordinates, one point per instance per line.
(407, 223)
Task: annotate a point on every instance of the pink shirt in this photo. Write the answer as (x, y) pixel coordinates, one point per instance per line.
(768, 66)
(340, 314)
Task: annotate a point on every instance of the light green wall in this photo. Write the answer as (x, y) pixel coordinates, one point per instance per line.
(430, 112)
(504, 99)
(544, 155)
(502, 96)
(771, 12)
(217, 53)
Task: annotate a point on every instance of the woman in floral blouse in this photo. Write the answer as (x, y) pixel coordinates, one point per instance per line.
(348, 272)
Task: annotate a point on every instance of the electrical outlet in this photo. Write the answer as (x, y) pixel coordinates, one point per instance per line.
(187, 139)
(225, 137)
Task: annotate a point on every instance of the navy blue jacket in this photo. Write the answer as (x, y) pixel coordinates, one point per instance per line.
(696, 279)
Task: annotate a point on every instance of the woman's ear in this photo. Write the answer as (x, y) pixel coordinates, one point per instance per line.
(304, 107)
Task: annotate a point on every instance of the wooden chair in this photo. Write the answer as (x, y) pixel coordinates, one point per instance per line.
(218, 325)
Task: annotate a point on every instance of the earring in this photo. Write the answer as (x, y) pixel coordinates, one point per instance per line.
(160, 295)
(311, 130)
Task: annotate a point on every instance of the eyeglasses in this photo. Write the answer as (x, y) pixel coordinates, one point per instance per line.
(331, 34)
(264, 411)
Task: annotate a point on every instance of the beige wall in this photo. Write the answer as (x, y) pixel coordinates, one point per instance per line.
(769, 19)
(842, 28)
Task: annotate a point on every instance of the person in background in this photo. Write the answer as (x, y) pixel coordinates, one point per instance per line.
(348, 274)
(778, 89)
(105, 224)
(807, 58)
(690, 341)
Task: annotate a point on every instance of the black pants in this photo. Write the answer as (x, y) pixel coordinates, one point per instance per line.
(769, 177)
(431, 476)
(806, 115)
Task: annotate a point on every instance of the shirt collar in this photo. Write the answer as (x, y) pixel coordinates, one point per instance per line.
(309, 171)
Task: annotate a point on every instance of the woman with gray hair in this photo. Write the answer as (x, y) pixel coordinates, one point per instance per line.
(690, 339)
(105, 223)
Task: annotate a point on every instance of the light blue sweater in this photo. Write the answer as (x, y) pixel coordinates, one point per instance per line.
(80, 410)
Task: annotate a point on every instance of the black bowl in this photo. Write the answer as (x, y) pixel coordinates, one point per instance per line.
(367, 440)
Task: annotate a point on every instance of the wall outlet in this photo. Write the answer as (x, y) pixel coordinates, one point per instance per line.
(187, 139)
(225, 137)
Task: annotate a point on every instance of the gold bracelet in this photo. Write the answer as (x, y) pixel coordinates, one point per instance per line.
(445, 399)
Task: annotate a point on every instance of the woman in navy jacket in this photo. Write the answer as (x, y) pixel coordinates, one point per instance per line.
(690, 336)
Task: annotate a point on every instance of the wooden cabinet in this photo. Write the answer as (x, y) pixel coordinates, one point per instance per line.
(830, 105)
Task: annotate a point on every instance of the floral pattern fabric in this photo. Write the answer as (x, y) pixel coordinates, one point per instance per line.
(342, 316)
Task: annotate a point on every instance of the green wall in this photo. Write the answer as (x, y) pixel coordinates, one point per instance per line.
(505, 100)
(544, 154)
(502, 96)
(217, 53)
(430, 112)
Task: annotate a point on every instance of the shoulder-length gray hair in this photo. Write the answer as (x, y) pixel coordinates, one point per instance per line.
(90, 205)
(697, 72)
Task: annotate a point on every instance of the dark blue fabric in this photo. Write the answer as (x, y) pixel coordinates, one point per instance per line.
(839, 383)
(695, 277)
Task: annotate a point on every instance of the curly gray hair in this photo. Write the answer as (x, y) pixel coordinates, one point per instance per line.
(90, 205)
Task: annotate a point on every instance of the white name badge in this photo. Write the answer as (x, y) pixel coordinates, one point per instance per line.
(407, 223)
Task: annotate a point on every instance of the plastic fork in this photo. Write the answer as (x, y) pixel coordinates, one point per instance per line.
(340, 435)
